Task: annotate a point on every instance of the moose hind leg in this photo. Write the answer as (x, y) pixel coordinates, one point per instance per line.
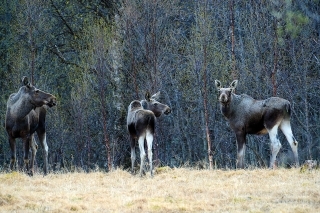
(133, 154)
(149, 138)
(275, 144)
(286, 129)
(34, 147)
(43, 141)
(142, 153)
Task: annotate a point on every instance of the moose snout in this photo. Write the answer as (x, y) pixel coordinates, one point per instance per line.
(168, 111)
(223, 98)
(52, 102)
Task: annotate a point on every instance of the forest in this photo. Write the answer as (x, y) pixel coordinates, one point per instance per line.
(96, 56)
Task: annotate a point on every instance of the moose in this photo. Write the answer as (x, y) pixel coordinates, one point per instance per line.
(249, 116)
(141, 122)
(26, 112)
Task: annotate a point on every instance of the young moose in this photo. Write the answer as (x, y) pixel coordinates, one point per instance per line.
(141, 123)
(26, 112)
(249, 116)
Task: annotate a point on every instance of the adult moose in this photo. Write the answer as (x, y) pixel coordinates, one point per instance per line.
(26, 112)
(249, 116)
(141, 121)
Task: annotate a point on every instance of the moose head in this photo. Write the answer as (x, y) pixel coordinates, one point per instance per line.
(35, 96)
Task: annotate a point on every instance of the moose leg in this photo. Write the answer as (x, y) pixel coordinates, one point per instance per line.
(12, 143)
(149, 138)
(142, 152)
(34, 147)
(286, 129)
(43, 141)
(26, 144)
(275, 144)
(241, 148)
(133, 154)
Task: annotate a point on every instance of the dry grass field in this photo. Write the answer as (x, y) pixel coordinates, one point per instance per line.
(171, 190)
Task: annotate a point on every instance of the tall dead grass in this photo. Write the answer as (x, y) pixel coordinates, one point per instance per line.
(171, 190)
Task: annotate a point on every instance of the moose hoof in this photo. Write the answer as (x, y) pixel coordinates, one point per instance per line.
(30, 173)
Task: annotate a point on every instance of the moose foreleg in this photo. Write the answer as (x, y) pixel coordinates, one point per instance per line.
(26, 143)
(241, 148)
(142, 153)
(149, 138)
(12, 143)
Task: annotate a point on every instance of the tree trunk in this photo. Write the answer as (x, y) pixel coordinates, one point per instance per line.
(205, 95)
(31, 43)
(205, 106)
(275, 61)
(234, 73)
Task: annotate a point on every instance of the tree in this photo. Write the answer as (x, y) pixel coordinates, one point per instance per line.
(98, 56)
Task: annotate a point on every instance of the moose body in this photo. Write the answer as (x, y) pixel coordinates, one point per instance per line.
(141, 122)
(26, 112)
(249, 116)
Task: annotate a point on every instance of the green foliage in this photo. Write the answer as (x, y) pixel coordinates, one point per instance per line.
(291, 21)
(295, 23)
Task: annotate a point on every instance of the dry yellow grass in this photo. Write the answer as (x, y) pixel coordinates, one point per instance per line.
(171, 190)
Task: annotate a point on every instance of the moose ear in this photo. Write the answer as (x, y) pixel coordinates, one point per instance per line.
(234, 84)
(25, 81)
(218, 84)
(147, 96)
(156, 96)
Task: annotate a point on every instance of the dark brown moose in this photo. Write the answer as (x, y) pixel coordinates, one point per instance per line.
(26, 112)
(141, 121)
(249, 116)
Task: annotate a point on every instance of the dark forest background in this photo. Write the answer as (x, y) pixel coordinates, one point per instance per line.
(96, 56)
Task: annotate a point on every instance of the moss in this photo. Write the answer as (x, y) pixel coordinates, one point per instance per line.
(7, 199)
(164, 169)
(74, 208)
(31, 206)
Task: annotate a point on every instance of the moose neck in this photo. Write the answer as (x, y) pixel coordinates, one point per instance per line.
(146, 106)
(157, 111)
(20, 107)
(228, 109)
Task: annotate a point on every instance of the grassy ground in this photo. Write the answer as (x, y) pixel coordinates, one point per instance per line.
(171, 190)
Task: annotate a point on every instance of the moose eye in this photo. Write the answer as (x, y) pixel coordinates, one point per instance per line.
(37, 91)
(155, 104)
